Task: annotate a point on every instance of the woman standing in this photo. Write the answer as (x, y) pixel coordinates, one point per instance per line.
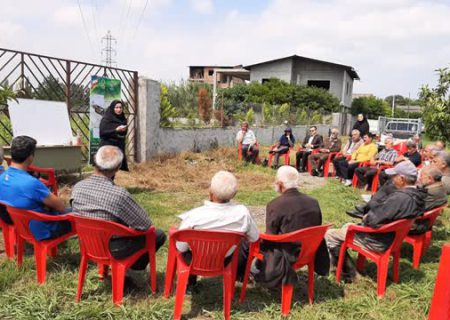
(113, 129)
(362, 125)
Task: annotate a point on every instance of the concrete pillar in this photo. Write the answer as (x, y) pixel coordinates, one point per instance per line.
(148, 119)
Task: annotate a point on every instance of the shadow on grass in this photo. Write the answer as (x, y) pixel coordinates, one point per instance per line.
(259, 298)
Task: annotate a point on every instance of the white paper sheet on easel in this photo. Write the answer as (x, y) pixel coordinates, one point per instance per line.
(46, 121)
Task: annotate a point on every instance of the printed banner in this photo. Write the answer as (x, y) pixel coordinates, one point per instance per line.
(103, 92)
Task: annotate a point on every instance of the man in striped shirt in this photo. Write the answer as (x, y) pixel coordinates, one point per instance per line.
(385, 157)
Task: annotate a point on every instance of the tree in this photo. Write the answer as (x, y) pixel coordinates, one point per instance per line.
(6, 94)
(204, 105)
(435, 103)
(371, 106)
(167, 110)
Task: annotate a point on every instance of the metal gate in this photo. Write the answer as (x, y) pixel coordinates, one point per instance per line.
(42, 77)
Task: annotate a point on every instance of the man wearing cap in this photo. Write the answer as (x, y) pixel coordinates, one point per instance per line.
(312, 141)
(248, 139)
(405, 202)
(287, 140)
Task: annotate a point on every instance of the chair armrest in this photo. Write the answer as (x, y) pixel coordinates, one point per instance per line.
(357, 228)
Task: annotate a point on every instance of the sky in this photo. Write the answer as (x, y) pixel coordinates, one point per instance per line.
(394, 45)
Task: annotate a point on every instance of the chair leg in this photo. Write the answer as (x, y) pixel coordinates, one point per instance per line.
(246, 276)
(19, 241)
(396, 266)
(311, 283)
(286, 298)
(40, 254)
(9, 237)
(183, 277)
(53, 252)
(382, 276)
(102, 271)
(118, 280)
(170, 273)
(228, 284)
(82, 276)
(428, 236)
(418, 248)
(152, 260)
(340, 263)
(360, 263)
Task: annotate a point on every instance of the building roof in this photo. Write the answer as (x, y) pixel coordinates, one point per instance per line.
(217, 67)
(351, 71)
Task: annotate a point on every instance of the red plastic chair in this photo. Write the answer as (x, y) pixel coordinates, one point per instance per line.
(286, 156)
(9, 237)
(250, 152)
(310, 238)
(440, 304)
(94, 236)
(308, 165)
(21, 219)
(326, 166)
(421, 242)
(209, 249)
(50, 172)
(400, 227)
(376, 178)
(355, 177)
(401, 147)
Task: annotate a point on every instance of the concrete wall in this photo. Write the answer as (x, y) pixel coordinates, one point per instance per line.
(153, 140)
(279, 69)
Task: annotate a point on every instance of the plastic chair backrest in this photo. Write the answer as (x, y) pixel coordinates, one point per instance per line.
(400, 227)
(310, 238)
(440, 304)
(208, 248)
(401, 147)
(94, 235)
(432, 215)
(22, 218)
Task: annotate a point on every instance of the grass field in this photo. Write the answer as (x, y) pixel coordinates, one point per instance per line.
(169, 186)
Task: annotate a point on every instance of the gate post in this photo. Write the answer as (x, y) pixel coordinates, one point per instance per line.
(148, 116)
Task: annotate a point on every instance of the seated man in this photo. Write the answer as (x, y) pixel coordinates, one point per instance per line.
(366, 152)
(428, 153)
(440, 145)
(436, 195)
(289, 212)
(442, 162)
(248, 139)
(312, 141)
(412, 154)
(332, 144)
(21, 190)
(351, 146)
(385, 157)
(98, 197)
(405, 202)
(287, 140)
(219, 213)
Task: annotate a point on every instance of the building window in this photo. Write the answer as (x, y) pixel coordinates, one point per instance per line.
(210, 73)
(324, 84)
(264, 80)
(347, 88)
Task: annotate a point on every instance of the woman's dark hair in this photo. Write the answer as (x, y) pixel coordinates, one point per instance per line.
(21, 148)
(110, 114)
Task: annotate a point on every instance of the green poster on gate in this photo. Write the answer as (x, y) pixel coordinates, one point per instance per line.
(103, 91)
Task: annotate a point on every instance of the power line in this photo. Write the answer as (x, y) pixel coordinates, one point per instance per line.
(140, 19)
(85, 27)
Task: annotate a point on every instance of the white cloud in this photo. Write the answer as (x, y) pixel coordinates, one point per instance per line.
(202, 6)
(395, 45)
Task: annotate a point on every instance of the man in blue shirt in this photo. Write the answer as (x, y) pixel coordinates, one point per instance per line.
(21, 190)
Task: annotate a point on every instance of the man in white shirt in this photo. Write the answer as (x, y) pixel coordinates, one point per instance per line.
(219, 213)
(248, 140)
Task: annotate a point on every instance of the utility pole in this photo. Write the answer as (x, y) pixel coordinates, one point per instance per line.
(108, 51)
(393, 105)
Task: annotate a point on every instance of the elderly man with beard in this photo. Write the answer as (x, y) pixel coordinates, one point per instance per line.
(442, 162)
(289, 212)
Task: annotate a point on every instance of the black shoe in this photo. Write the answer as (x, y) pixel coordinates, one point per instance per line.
(361, 208)
(300, 169)
(320, 173)
(354, 214)
(314, 173)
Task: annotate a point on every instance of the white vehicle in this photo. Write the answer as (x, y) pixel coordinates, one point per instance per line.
(401, 129)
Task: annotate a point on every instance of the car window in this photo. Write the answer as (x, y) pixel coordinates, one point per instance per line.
(391, 126)
(402, 126)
